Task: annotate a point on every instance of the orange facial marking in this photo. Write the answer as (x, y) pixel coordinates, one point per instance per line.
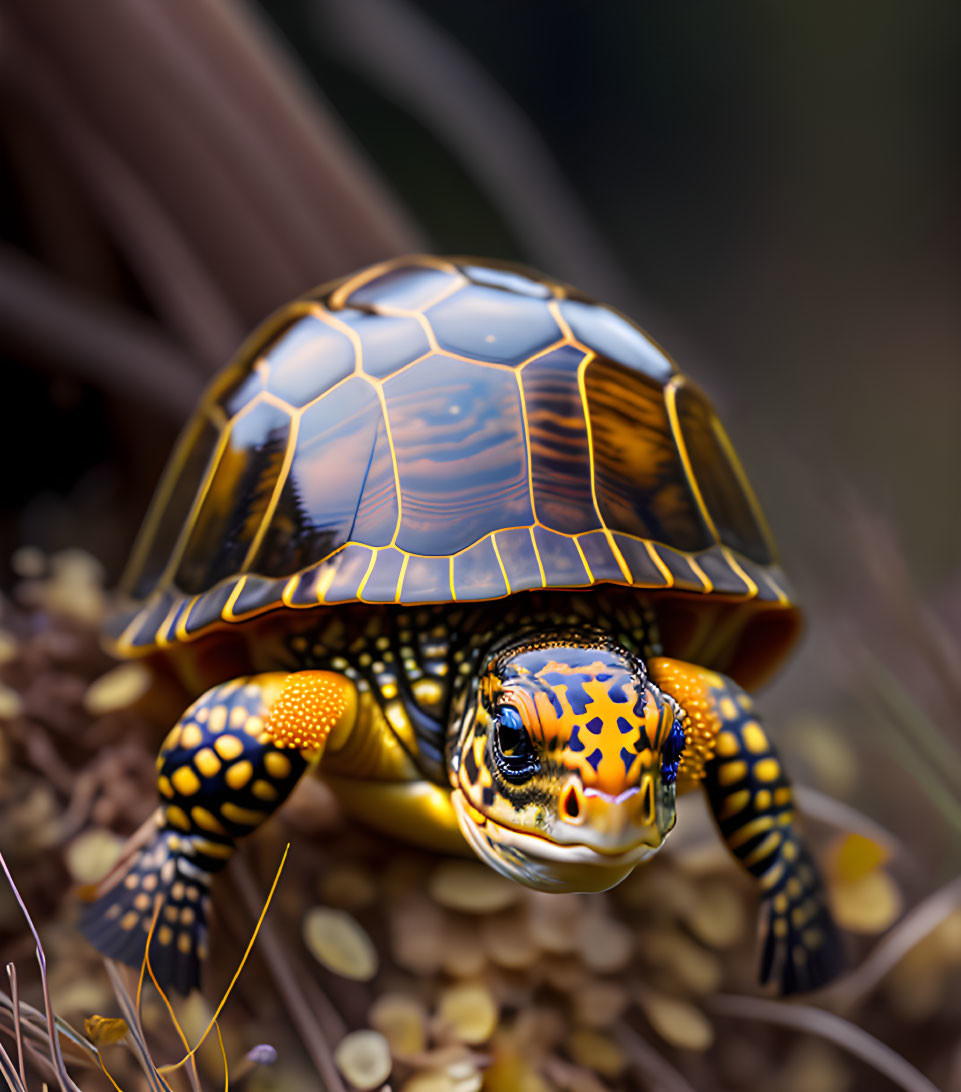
(600, 738)
(310, 705)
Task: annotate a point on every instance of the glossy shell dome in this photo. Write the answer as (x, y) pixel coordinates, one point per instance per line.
(441, 430)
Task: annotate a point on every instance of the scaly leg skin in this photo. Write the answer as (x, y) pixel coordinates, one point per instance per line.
(729, 754)
(230, 761)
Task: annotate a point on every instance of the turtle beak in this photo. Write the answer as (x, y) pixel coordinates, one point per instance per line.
(541, 862)
(606, 822)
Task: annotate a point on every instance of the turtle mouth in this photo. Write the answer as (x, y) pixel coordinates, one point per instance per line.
(538, 862)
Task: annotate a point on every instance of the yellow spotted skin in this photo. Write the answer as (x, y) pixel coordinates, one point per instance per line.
(230, 762)
(729, 754)
(310, 704)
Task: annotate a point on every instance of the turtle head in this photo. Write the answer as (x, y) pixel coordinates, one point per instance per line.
(564, 766)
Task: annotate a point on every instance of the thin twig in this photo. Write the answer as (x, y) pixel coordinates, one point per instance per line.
(35, 1028)
(249, 140)
(648, 1062)
(311, 1033)
(98, 342)
(835, 813)
(903, 708)
(56, 1056)
(183, 292)
(271, 198)
(212, 1023)
(135, 1029)
(414, 61)
(878, 541)
(280, 104)
(193, 1076)
(827, 1025)
(9, 1071)
(911, 930)
(17, 1023)
(904, 747)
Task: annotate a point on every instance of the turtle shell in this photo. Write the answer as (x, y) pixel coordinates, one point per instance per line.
(433, 430)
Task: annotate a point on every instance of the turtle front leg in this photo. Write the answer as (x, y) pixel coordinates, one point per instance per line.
(230, 761)
(752, 802)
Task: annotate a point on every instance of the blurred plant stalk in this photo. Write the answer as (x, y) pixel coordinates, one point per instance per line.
(176, 143)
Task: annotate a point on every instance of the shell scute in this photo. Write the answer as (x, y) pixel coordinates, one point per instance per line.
(237, 497)
(601, 560)
(724, 579)
(519, 556)
(477, 572)
(405, 287)
(377, 507)
(717, 473)
(307, 360)
(437, 430)
(320, 492)
(382, 583)
(560, 446)
(683, 574)
(202, 612)
(510, 280)
(640, 485)
(458, 433)
(427, 580)
(352, 565)
(190, 464)
(139, 631)
(255, 594)
(493, 326)
(640, 562)
(560, 559)
(611, 335)
(236, 396)
(387, 342)
(309, 588)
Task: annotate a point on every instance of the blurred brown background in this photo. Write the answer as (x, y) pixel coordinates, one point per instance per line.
(774, 192)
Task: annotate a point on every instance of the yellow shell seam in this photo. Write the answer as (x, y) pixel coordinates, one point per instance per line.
(527, 452)
(732, 561)
(497, 554)
(670, 400)
(537, 554)
(554, 345)
(554, 308)
(367, 572)
(176, 554)
(341, 292)
(400, 578)
(580, 551)
(660, 564)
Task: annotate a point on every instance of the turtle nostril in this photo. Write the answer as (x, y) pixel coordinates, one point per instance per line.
(647, 801)
(571, 805)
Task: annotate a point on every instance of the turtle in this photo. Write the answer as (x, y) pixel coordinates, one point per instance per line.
(467, 545)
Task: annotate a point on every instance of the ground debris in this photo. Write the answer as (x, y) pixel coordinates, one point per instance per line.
(363, 1057)
(119, 688)
(440, 975)
(338, 942)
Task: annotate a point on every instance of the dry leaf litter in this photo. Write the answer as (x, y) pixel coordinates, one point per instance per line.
(427, 974)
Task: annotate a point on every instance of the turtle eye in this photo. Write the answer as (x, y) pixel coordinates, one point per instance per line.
(513, 750)
(671, 752)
